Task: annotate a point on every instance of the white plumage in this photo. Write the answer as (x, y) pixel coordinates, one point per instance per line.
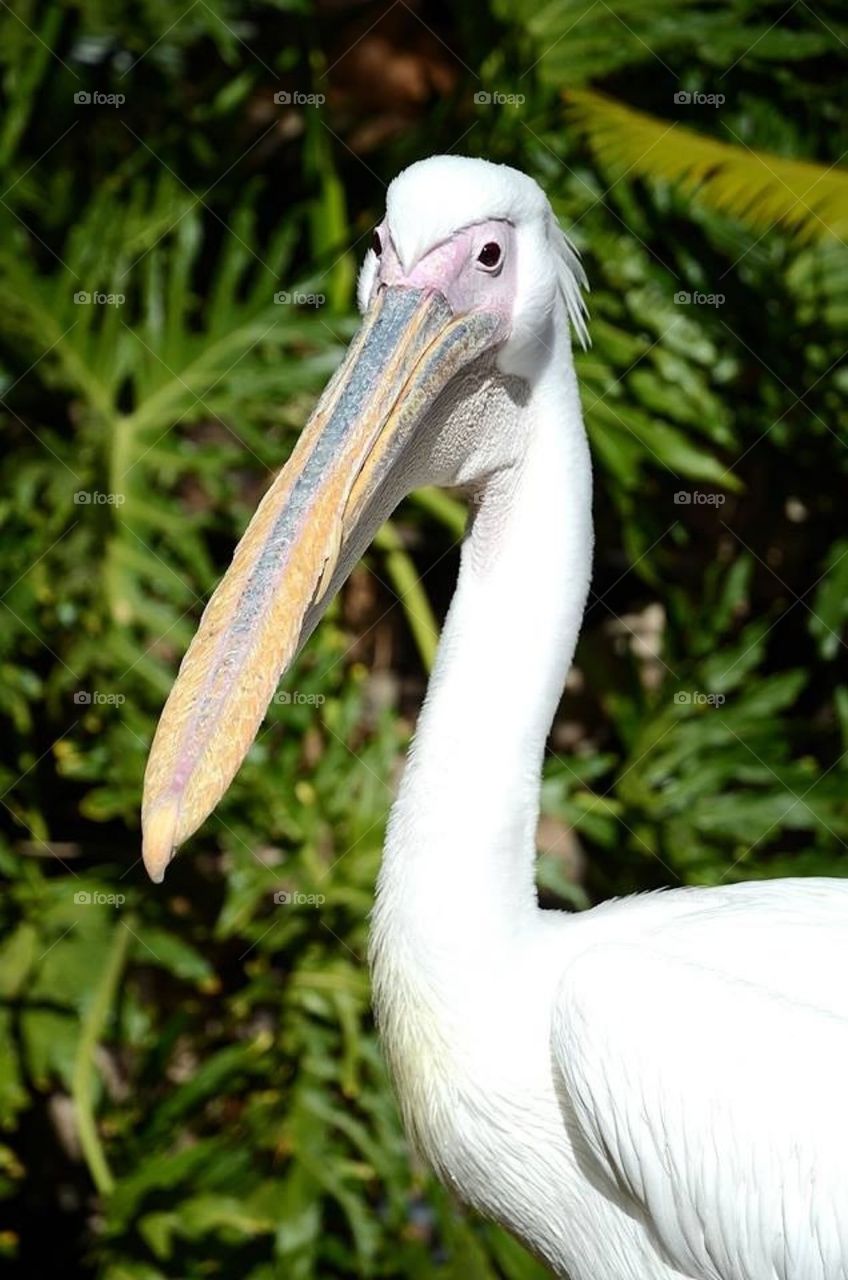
(655, 1088)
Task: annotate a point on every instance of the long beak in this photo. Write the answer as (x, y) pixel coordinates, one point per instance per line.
(296, 551)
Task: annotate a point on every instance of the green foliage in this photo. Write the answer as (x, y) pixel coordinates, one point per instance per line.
(762, 190)
(190, 1083)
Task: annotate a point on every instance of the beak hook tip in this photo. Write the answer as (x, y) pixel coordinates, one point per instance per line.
(159, 839)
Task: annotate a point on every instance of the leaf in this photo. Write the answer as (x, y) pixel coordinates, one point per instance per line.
(83, 1081)
(172, 953)
(17, 957)
(164, 1172)
(212, 1075)
(49, 1046)
(809, 201)
(829, 612)
(13, 1094)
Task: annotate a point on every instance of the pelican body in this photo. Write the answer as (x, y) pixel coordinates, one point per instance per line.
(653, 1089)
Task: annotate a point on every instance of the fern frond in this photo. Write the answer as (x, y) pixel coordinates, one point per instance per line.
(760, 189)
(578, 41)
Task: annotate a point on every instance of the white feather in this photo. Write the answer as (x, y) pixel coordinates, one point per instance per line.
(651, 1090)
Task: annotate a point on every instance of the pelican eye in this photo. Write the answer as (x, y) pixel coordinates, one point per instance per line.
(490, 254)
(376, 243)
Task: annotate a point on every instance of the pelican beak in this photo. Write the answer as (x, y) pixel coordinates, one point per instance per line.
(306, 534)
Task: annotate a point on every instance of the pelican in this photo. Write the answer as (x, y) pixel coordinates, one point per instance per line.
(654, 1088)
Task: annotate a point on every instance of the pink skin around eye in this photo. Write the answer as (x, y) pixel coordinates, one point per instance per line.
(453, 269)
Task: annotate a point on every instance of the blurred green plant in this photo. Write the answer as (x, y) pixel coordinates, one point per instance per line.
(761, 190)
(190, 1082)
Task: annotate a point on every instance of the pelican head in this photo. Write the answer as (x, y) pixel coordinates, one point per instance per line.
(463, 288)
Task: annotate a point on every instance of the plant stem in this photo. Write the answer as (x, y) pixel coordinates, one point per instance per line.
(82, 1086)
(412, 596)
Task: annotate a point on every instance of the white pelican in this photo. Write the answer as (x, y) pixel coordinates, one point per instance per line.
(654, 1088)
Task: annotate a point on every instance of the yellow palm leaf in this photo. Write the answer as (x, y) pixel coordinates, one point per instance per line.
(760, 189)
